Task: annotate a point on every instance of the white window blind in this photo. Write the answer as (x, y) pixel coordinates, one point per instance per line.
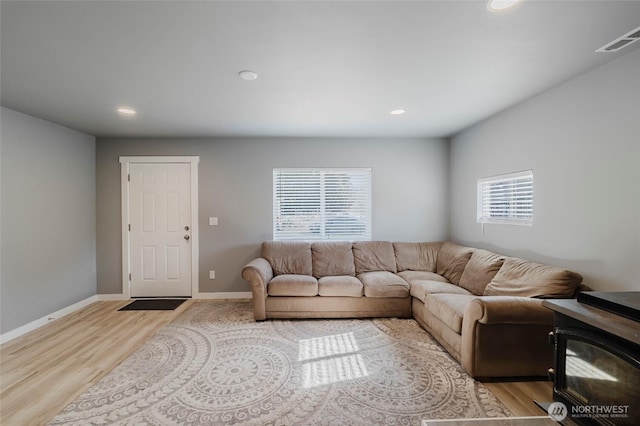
(506, 199)
(318, 204)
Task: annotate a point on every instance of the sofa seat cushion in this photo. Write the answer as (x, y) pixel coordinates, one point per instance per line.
(288, 257)
(449, 308)
(332, 258)
(293, 285)
(420, 289)
(384, 284)
(344, 285)
(480, 270)
(518, 277)
(371, 256)
(416, 256)
(452, 258)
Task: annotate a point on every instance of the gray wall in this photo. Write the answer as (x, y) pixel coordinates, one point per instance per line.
(582, 140)
(235, 185)
(48, 218)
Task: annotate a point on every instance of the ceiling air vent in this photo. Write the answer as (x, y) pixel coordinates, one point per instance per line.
(620, 42)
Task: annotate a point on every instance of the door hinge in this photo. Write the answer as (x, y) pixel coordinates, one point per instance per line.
(129, 276)
(128, 178)
(129, 227)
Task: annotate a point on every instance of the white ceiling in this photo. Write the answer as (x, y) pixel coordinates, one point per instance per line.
(326, 68)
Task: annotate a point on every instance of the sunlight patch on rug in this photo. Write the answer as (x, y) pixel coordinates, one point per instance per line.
(330, 359)
(324, 346)
(333, 370)
(213, 365)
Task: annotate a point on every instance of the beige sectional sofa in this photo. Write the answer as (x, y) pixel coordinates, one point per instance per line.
(484, 308)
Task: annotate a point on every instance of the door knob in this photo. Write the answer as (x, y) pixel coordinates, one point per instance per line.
(186, 237)
(186, 228)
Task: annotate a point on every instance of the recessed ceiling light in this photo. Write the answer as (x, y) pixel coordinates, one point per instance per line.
(247, 75)
(501, 4)
(129, 112)
(398, 112)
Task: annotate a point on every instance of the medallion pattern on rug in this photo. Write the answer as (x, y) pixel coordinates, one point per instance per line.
(213, 365)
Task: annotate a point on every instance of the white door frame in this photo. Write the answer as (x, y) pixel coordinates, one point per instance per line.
(126, 243)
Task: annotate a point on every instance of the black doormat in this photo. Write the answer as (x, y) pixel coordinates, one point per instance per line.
(153, 305)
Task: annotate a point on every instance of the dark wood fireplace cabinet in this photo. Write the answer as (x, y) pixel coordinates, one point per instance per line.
(596, 371)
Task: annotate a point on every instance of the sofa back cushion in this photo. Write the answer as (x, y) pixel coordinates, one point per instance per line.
(288, 257)
(480, 270)
(416, 256)
(332, 258)
(452, 258)
(518, 277)
(371, 256)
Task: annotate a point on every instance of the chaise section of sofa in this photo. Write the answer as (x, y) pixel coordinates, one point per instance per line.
(497, 327)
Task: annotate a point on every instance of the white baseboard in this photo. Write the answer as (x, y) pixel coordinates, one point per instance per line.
(110, 297)
(10, 335)
(211, 295)
(224, 295)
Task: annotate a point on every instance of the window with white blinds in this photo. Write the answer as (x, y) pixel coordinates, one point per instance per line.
(506, 199)
(320, 204)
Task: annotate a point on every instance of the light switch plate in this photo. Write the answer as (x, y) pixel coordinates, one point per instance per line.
(212, 275)
(213, 221)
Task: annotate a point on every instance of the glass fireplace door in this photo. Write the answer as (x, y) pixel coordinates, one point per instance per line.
(599, 378)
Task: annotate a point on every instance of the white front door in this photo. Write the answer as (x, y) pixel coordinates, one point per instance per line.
(160, 235)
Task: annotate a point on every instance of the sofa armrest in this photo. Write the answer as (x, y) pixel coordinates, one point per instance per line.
(506, 336)
(508, 310)
(258, 273)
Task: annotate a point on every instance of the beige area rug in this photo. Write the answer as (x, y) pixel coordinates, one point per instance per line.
(213, 365)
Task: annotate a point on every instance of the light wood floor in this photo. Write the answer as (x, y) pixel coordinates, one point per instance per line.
(43, 371)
